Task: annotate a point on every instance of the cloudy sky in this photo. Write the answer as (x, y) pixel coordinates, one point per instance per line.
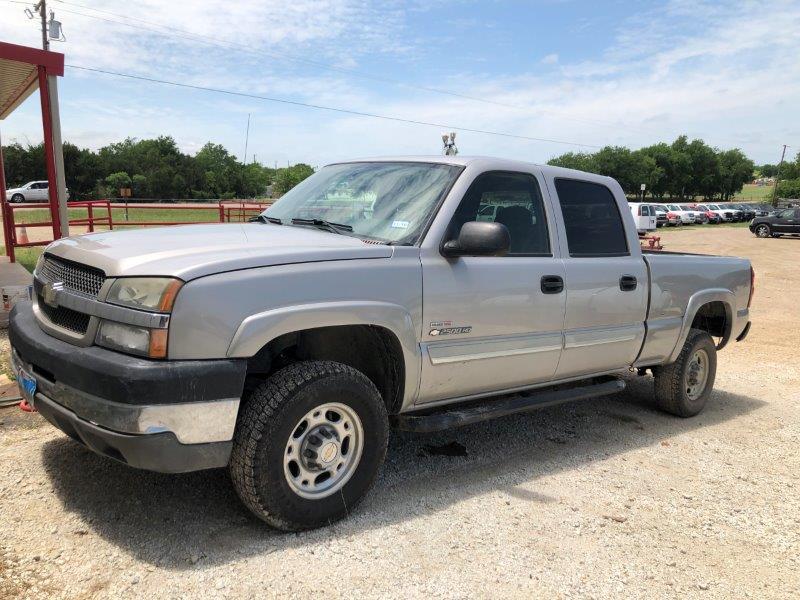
(586, 73)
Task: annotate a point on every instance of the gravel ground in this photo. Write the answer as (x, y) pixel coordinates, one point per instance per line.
(596, 499)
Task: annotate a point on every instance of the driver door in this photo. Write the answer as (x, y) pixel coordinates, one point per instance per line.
(494, 323)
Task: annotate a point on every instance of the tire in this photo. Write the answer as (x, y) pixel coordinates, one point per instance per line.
(270, 431)
(763, 230)
(17, 198)
(675, 392)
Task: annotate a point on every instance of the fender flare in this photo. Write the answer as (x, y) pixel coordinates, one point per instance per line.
(259, 329)
(696, 301)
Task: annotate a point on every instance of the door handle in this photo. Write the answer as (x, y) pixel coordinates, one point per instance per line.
(627, 283)
(552, 284)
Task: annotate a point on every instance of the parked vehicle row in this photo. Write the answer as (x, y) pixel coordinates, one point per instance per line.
(649, 216)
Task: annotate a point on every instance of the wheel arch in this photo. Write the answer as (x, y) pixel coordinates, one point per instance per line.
(711, 311)
(376, 338)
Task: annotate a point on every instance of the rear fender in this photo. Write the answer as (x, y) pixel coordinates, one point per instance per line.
(696, 301)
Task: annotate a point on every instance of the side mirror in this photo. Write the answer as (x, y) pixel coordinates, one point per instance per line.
(479, 238)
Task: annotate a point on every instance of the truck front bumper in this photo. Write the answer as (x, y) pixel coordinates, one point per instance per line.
(167, 416)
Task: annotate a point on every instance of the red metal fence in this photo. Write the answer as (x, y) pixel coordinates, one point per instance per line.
(100, 213)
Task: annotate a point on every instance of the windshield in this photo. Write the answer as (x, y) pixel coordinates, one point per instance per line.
(673, 207)
(385, 201)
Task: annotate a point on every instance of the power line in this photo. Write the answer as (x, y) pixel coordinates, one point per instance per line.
(215, 41)
(229, 44)
(347, 111)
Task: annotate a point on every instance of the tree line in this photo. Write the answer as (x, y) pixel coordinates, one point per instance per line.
(683, 169)
(153, 168)
(156, 168)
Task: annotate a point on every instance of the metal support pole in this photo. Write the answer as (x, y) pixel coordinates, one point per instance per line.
(49, 153)
(8, 214)
(55, 119)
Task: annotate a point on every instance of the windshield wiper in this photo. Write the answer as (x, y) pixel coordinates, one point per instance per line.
(265, 219)
(332, 227)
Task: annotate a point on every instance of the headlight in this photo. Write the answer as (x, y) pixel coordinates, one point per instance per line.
(133, 340)
(145, 293)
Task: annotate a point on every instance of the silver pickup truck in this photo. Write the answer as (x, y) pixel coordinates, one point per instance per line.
(414, 293)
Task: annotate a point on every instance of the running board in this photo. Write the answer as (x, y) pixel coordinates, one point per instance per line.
(491, 408)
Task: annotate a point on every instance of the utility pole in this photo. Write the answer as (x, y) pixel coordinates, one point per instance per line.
(778, 178)
(246, 139)
(41, 8)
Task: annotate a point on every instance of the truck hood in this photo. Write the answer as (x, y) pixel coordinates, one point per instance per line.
(191, 251)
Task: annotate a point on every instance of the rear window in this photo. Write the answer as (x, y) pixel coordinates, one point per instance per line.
(592, 220)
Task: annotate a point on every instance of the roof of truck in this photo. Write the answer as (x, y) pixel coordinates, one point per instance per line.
(492, 162)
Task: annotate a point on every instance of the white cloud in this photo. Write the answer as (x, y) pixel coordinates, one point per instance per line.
(722, 71)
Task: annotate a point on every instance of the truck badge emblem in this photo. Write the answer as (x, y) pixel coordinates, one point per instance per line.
(450, 330)
(50, 293)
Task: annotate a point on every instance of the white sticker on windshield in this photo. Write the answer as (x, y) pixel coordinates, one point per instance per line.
(401, 224)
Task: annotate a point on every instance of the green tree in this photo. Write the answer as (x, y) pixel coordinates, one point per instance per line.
(139, 185)
(735, 170)
(581, 161)
(789, 188)
(286, 179)
(116, 181)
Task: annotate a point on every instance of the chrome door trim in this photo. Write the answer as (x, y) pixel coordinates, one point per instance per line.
(478, 349)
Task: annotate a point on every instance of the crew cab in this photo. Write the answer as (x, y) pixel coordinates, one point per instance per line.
(376, 294)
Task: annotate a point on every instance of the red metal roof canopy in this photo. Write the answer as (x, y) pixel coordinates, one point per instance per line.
(19, 73)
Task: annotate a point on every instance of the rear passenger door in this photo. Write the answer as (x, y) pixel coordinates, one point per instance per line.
(606, 279)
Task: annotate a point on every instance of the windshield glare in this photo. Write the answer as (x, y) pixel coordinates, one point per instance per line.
(385, 201)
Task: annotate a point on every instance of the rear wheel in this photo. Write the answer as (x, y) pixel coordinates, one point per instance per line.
(308, 445)
(763, 231)
(683, 387)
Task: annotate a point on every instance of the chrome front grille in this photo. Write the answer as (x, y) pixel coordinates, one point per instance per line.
(75, 277)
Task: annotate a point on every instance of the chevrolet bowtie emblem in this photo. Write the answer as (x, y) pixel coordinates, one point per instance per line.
(50, 293)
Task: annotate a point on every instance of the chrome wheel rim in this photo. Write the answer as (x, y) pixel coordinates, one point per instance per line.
(323, 451)
(696, 377)
(762, 231)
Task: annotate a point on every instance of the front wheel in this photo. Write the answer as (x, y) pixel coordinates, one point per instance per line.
(308, 445)
(17, 198)
(683, 387)
(763, 231)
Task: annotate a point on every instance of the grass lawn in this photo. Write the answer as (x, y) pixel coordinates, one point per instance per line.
(135, 215)
(27, 257)
(754, 193)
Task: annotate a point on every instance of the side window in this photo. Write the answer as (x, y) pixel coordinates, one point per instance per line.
(593, 224)
(513, 199)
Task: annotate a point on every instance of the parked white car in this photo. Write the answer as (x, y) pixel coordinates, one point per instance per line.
(645, 217)
(688, 217)
(33, 191)
(669, 217)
